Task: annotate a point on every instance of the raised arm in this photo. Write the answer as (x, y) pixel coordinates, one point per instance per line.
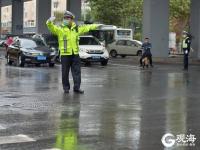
(51, 26)
(86, 28)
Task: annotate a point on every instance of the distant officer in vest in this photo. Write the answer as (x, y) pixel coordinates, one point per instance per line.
(68, 39)
(186, 44)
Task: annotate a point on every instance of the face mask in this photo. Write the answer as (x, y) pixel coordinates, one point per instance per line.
(66, 22)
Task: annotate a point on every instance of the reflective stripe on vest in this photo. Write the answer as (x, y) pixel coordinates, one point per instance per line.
(65, 43)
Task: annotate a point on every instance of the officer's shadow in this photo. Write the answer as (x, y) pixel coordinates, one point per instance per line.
(70, 98)
(67, 135)
(186, 78)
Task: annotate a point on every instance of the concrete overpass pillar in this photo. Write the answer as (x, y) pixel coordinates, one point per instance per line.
(17, 16)
(156, 25)
(75, 7)
(195, 27)
(0, 19)
(43, 12)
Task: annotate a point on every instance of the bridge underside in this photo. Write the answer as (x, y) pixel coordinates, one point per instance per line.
(155, 21)
(41, 14)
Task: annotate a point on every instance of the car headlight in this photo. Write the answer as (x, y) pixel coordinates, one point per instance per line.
(53, 49)
(83, 50)
(105, 50)
(27, 53)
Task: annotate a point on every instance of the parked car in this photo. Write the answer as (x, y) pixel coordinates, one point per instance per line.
(125, 47)
(138, 42)
(30, 51)
(2, 40)
(91, 50)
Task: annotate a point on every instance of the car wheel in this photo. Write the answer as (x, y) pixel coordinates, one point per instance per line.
(9, 62)
(104, 63)
(113, 53)
(20, 61)
(123, 56)
(139, 53)
(51, 64)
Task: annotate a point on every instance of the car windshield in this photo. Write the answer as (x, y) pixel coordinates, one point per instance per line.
(51, 39)
(138, 42)
(28, 43)
(88, 41)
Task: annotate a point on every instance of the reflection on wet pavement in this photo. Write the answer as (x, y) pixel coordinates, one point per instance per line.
(123, 108)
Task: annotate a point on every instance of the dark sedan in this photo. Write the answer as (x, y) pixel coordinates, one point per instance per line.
(29, 51)
(51, 41)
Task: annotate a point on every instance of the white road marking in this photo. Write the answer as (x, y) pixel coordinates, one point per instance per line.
(52, 149)
(2, 127)
(15, 139)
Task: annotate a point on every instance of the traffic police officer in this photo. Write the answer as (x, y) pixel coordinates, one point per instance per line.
(186, 48)
(68, 39)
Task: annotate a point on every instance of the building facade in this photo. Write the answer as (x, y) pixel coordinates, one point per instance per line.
(6, 23)
(57, 6)
(29, 13)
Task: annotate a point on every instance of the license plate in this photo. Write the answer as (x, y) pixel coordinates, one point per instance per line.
(96, 57)
(41, 58)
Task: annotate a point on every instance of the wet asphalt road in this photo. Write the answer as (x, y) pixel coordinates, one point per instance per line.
(123, 108)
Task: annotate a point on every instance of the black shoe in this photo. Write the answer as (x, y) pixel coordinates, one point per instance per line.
(151, 66)
(66, 91)
(79, 91)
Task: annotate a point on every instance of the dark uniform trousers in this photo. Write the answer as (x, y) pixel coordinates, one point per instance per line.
(73, 62)
(185, 58)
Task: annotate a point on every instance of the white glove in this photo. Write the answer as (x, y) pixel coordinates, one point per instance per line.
(51, 19)
(100, 26)
(186, 52)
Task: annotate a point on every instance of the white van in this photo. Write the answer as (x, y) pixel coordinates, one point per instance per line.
(110, 33)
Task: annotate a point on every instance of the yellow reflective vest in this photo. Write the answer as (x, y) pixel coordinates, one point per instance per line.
(184, 44)
(67, 140)
(68, 38)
